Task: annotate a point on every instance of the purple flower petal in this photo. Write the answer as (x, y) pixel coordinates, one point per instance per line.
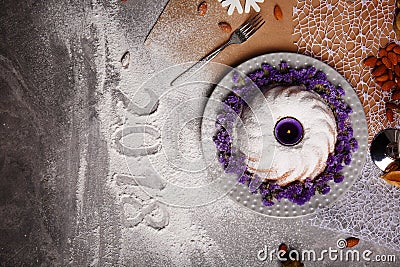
(244, 89)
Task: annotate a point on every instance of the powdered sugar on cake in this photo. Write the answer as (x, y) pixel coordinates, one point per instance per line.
(307, 159)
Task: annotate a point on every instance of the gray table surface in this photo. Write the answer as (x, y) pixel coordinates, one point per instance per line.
(60, 197)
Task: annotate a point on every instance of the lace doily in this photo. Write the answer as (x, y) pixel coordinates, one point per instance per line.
(369, 210)
(342, 34)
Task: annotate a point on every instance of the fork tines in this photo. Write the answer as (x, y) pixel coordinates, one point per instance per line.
(252, 25)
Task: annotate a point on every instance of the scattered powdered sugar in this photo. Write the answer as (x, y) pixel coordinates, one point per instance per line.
(117, 218)
(170, 232)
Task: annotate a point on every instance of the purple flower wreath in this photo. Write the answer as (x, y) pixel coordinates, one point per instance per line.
(234, 162)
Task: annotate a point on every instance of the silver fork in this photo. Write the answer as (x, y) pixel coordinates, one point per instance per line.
(240, 35)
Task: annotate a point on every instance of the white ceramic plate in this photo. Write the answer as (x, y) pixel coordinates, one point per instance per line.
(240, 193)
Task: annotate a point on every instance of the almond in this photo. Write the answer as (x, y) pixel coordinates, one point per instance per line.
(387, 62)
(393, 176)
(397, 49)
(379, 62)
(283, 247)
(125, 59)
(202, 8)
(395, 173)
(392, 105)
(382, 52)
(278, 12)
(393, 166)
(225, 26)
(397, 70)
(382, 78)
(396, 94)
(390, 47)
(388, 85)
(351, 242)
(389, 114)
(392, 57)
(370, 61)
(378, 71)
(380, 83)
(390, 75)
(398, 83)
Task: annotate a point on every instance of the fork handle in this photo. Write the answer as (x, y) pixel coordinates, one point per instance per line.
(198, 65)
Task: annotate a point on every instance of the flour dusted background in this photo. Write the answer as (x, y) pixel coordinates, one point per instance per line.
(71, 174)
